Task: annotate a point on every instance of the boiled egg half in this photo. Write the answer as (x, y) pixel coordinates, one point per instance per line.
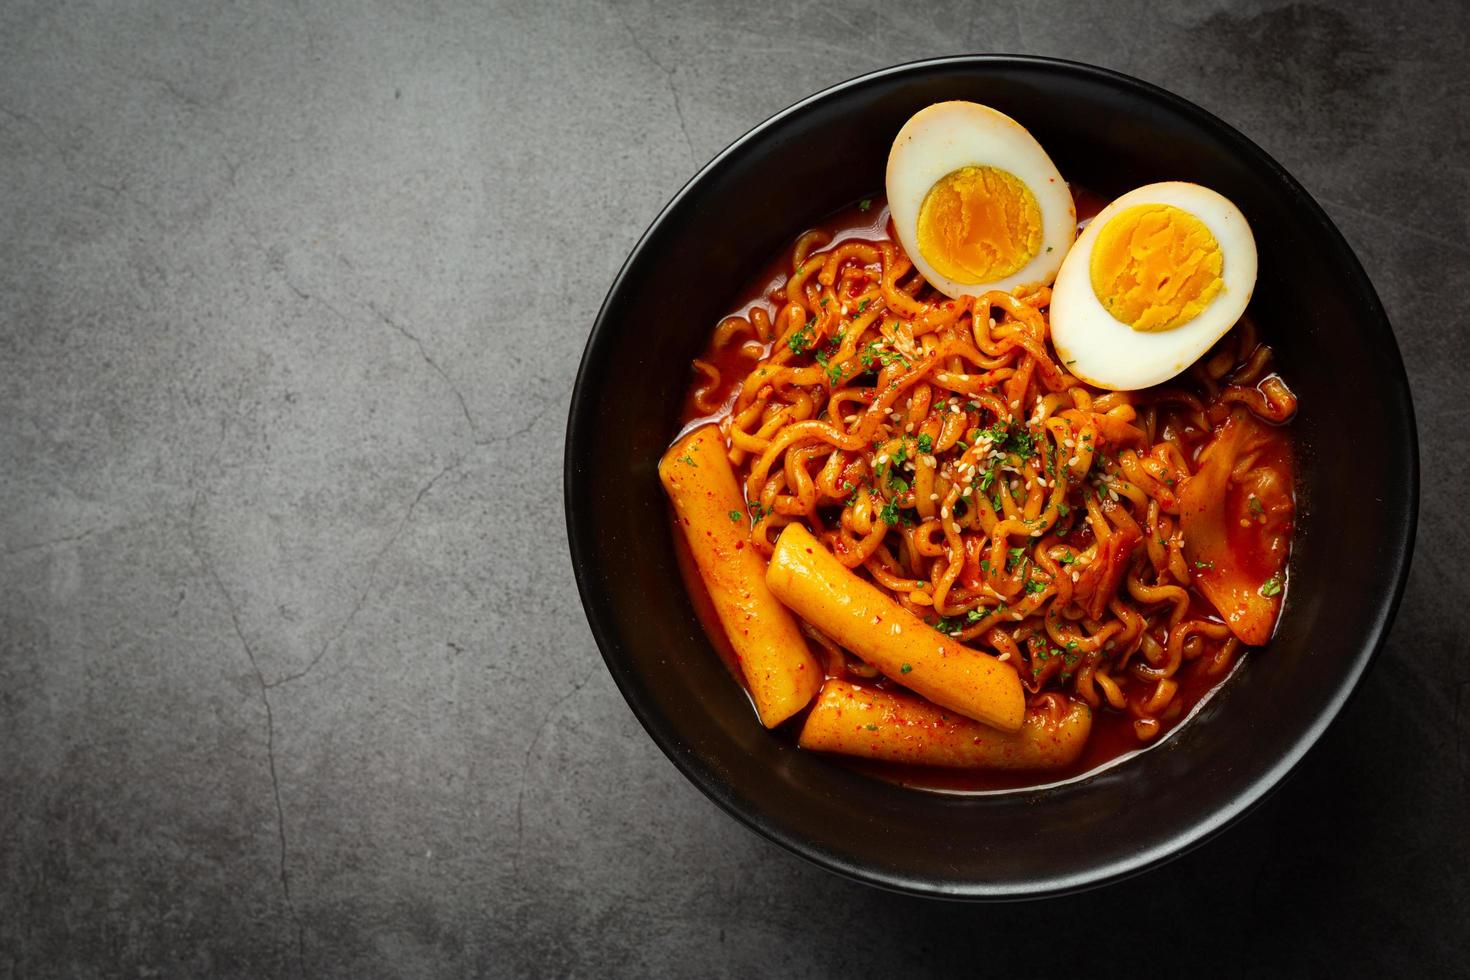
(976, 202)
(1152, 282)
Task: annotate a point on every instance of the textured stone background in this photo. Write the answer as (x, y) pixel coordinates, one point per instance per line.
(293, 677)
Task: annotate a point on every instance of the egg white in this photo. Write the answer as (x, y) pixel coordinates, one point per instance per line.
(1108, 353)
(946, 136)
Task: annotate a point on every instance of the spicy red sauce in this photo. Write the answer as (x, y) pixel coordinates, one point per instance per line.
(1112, 736)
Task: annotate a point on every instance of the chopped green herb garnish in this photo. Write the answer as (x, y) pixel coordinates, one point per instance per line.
(686, 458)
(889, 513)
(802, 339)
(1255, 506)
(734, 516)
(834, 371)
(871, 727)
(865, 203)
(1272, 587)
(905, 668)
(1019, 441)
(926, 443)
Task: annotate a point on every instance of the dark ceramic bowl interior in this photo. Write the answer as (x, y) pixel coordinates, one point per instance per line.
(1108, 133)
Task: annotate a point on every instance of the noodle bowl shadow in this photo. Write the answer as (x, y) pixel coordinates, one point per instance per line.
(1351, 551)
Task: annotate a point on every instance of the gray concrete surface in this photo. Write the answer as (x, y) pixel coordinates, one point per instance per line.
(293, 677)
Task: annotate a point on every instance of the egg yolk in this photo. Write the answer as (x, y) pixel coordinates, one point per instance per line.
(1155, 267)
(979, 224)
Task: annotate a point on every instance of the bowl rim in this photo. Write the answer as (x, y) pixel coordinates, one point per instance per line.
(1188, 837)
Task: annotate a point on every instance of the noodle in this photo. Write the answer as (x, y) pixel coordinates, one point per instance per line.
(939, 448)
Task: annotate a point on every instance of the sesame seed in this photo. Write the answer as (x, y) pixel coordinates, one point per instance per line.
(934, 496)
(1003, 657)
(944, 513)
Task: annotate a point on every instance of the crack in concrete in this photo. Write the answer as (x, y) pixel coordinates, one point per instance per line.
(265, 686)
(82, 535)
(270, 729)
(52, 542)
(668, 74)
(387, 320)
(525, 429)
(458, 395)
(371, 580)
(382, 315)
(64, 156)
(526, 764)
(22, 549)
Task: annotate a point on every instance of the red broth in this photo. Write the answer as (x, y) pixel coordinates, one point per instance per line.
(1112, 737)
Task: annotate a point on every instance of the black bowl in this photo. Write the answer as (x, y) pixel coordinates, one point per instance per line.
(1358, 489)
